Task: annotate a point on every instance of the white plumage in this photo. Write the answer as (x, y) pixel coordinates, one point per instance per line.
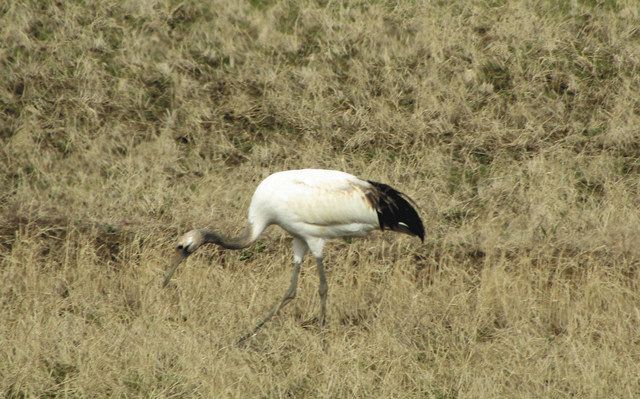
(313, 205)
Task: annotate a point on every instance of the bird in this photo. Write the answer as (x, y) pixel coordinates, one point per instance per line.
(314, 206)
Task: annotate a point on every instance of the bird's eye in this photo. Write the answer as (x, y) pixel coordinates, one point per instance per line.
(180, 246)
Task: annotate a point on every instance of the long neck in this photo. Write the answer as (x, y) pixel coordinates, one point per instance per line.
(242, 241)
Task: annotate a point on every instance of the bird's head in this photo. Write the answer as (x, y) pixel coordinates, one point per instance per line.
(187, 244)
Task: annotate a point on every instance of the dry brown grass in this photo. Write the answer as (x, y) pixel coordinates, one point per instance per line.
(515, 126)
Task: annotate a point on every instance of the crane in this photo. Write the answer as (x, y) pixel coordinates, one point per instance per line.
(313, 205)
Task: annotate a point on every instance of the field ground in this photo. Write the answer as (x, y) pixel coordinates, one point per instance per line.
(513, 124)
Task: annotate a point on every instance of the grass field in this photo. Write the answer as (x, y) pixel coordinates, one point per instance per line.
(515, 125)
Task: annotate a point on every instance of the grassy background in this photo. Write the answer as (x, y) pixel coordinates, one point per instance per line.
(513, 124)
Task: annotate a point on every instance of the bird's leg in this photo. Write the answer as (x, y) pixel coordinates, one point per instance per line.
(288, 296)
(322, 290)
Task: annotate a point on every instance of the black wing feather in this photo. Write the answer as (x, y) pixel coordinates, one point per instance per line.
(395, 211)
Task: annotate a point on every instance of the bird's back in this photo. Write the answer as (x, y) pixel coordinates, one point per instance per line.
(329, 203)
(320, 202)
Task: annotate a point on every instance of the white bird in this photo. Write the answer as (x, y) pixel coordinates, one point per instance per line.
(313, 205)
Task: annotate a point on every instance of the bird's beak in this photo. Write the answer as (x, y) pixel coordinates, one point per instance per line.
(178, 257)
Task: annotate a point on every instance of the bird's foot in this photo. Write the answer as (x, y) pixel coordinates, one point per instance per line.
(309, 323)
(313, 322)
(243, 338)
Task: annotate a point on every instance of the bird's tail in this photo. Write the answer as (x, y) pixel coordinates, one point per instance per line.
(396, 211)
